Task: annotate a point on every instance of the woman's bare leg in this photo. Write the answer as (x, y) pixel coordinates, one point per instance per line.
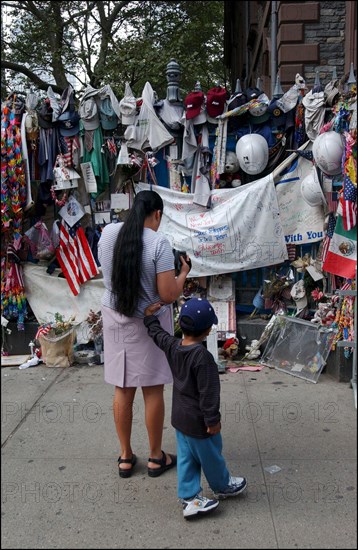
(123, 416)
(154, 421)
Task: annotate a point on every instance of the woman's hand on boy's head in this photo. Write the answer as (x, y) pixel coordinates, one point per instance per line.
(152, 308)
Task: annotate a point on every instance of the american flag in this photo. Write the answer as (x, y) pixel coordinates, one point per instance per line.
(330, 230)
(332, 201)
(349, 204)
(75, 256)
(43, 330)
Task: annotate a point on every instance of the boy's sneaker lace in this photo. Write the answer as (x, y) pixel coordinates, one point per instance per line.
(198, 505)
(235, 486)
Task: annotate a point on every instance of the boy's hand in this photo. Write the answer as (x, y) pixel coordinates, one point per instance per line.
(213, 430)
(152, 308)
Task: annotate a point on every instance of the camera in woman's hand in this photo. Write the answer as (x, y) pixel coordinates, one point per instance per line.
(177, 262)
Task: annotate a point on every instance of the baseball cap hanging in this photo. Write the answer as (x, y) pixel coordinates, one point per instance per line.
(277, 116)
(67, 98)
(108, 118)
(216, 101)
(252, 93)
(236, 100)
(44, 115)
(69, 123)
(128, 107)
(193, 103)
(89, 114)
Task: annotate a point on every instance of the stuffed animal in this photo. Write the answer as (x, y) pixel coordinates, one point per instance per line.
(324, 314)
(230, 348)
(253, 350)
(231, 176)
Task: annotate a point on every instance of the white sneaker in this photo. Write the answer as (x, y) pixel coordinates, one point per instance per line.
(198, 505)
(235, 486)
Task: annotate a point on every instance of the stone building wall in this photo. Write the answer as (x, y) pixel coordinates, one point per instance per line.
(328, 32)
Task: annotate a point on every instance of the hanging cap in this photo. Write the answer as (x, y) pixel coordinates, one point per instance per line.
(216, 101)
(193, 103)
(67, 99)
(108, 118)
(44, 115)
(252, 93)
(69, 123)
(89, 114)
(128, 106)
(278, 117)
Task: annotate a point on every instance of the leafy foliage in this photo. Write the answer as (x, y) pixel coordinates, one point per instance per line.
(97, 43)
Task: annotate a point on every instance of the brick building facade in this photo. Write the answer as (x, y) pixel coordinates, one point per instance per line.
(309, 36)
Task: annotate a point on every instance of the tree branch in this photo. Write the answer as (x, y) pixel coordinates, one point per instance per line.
(41, 84)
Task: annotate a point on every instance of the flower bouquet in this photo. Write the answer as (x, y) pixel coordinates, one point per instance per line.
(56, 340)
(276, 291)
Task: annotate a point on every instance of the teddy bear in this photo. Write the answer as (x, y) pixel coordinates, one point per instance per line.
(230, 348)
(253, 350)
(324, 315)
(231, 176)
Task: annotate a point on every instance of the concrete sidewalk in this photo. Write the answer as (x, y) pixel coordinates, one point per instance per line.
(61, 489)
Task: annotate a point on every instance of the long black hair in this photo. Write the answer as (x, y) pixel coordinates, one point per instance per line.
(127, 257)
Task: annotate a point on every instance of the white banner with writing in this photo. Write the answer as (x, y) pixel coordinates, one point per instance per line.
(48, 294)
(242, 230)
(301, 222)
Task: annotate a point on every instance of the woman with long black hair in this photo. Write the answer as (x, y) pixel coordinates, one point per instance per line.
(138, 269)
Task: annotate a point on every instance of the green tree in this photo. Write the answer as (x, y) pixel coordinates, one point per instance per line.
(97, 43)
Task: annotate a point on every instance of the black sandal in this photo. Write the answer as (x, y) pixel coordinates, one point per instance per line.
(155, 472)
(128, 472)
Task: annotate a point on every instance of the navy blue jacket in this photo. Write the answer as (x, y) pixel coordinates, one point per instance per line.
(196, 385)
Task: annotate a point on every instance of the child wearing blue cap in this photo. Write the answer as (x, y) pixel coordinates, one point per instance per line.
(195, 407)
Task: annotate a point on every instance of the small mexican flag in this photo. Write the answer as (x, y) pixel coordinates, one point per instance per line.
(341, 257)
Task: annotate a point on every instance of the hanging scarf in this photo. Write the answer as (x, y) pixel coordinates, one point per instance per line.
(300, 133)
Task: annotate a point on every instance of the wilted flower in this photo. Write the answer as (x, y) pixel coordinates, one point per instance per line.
(94, 321)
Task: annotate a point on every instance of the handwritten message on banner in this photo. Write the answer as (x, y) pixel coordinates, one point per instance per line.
(301, 222)
(241, 231)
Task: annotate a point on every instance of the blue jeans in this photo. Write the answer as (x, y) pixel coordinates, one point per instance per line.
(196, 454)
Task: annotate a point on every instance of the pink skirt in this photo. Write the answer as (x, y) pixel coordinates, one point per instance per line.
(131, 358)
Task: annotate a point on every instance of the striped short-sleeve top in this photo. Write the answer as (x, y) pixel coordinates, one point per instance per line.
(157, 258)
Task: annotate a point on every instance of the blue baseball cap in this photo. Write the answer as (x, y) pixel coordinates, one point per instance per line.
(197, 314)
(107, 116)
(278, 117)
(69, 123)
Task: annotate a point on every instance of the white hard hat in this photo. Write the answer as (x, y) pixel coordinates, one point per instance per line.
(252, 152)
(328, 149)
(311, 189)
